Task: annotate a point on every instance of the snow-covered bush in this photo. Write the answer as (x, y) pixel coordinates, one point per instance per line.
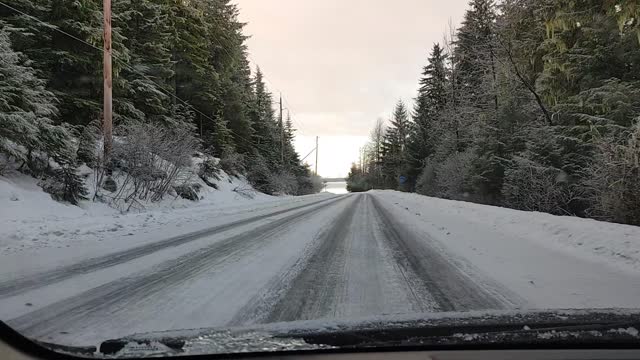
(277, 182)
(454, 175)
(232, 163)
(317, 184)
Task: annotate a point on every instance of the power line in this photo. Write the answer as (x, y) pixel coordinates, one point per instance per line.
(311, 152)
(53, 27)
(273, 87)
(293, 118)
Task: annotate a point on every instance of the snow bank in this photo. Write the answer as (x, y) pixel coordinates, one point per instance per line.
(31, 220)
(600, 241)
(549, 261)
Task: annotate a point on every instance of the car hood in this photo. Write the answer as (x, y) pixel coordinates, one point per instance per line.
(477, 330)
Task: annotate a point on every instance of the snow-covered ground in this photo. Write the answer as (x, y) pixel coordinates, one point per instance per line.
(38, 233)
(79, 275)
(604, 242)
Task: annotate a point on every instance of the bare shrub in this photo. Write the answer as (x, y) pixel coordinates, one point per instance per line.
(283, 183)
(232, 163)
(534, 187)
(152, 160)
(188, 191)
(208, 169)
(614, 178)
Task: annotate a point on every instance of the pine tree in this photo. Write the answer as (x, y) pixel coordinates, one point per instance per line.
(394, 146)
(194, 77)
(25, 105)
(27, 36)
(475, 54)
(140, 89)
(430, 102)
(228, 58)
(237, 99)
(75, 68)
(291, 156)
(26, 130)
(401, 123)
(263, 121)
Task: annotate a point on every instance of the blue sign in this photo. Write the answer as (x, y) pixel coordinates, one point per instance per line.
(403, 179)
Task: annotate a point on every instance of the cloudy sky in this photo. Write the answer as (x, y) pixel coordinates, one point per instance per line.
(342, 64)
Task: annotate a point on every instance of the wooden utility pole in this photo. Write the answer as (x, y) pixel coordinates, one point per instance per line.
(317, 150)
(107, 122)
(281, 133)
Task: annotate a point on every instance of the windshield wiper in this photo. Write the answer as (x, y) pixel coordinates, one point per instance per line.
(491, 330)
(596, 334)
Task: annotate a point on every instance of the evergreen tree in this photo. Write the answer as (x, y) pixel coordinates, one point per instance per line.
(140, 90)
(75, 68)
(475, 53)
(26, 107)
(26, 130)
(237, 99)
(430, 102)
(263, 121)
(394, 146)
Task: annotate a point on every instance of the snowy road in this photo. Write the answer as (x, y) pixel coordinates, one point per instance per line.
(330, 257)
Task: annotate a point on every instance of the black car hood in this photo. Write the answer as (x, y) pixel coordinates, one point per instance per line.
(478, 330)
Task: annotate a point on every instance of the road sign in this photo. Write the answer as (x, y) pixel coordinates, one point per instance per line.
(403, 179)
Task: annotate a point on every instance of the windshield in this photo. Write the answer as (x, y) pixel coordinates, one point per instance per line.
(298, 166)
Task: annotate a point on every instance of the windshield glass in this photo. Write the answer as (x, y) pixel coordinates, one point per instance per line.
(289, 167)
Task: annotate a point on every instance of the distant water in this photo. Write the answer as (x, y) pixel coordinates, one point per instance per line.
(338, 187)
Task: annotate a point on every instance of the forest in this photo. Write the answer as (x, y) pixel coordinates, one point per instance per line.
(531, 105)
(182, 82)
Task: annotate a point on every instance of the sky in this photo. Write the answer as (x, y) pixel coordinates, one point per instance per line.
(343, 64)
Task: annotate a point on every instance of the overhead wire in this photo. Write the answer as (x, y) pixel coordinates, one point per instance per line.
(284, 99)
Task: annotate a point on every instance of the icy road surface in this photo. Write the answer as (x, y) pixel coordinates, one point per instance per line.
(318, 257)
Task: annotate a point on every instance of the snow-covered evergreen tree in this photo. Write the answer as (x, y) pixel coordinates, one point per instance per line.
(394, 146)
(27, 133)
(430, 102)
(26, 107)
